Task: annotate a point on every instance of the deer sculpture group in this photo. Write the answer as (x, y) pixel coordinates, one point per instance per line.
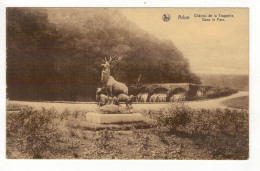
(114, 90)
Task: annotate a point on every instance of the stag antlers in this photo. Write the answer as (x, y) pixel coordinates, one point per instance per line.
(112, 59)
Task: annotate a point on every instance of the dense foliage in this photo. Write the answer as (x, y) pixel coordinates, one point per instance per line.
(222, 132)
(174, 132)
(55, 54)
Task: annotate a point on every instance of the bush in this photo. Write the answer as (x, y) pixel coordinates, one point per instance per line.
(176, 115)
(104, 136)
(35, 129)
(223, 132)
(218, 121)
(202, 121)
(65, 114)
(14, 107)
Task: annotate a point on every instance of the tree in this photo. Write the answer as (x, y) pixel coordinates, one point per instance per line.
(55, 54)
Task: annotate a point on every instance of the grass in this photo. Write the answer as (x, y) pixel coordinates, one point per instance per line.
(239, 102)
(176, 132)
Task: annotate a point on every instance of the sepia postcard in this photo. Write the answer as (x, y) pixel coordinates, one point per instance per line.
(127, 83)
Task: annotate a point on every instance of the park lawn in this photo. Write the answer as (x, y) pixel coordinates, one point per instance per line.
(239, 102)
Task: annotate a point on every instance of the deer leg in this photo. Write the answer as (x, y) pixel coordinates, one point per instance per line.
(111, 92)
(107, 96)
(106, 92)
(130, 105)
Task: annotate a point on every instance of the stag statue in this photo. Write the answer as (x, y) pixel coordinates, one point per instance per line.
(112, 86)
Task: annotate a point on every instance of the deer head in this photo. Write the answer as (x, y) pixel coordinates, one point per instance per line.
(107, 63)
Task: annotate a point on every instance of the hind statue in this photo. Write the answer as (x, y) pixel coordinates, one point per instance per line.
(111, 86)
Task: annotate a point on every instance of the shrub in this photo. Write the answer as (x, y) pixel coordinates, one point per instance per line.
(65, 114)
(14, 107)
(35, 129)
(104, 136)
(176, 115)
(39, 130)
(223, 132)
(218, 121)
(15, 122)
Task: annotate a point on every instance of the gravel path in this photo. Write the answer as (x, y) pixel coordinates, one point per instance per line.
(61, 106)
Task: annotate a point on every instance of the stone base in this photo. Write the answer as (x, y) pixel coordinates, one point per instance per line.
(113, 118)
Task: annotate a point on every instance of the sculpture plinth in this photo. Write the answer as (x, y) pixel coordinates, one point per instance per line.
(99, 118)
(110, 110)
(113, 114)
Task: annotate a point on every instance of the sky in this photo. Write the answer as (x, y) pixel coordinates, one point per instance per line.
(212, 47)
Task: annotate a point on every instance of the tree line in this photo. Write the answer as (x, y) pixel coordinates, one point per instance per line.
(55, 54)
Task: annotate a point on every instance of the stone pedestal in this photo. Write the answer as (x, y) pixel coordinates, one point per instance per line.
(113, 118)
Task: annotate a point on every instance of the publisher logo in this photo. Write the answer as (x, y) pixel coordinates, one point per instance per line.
(166, 17)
